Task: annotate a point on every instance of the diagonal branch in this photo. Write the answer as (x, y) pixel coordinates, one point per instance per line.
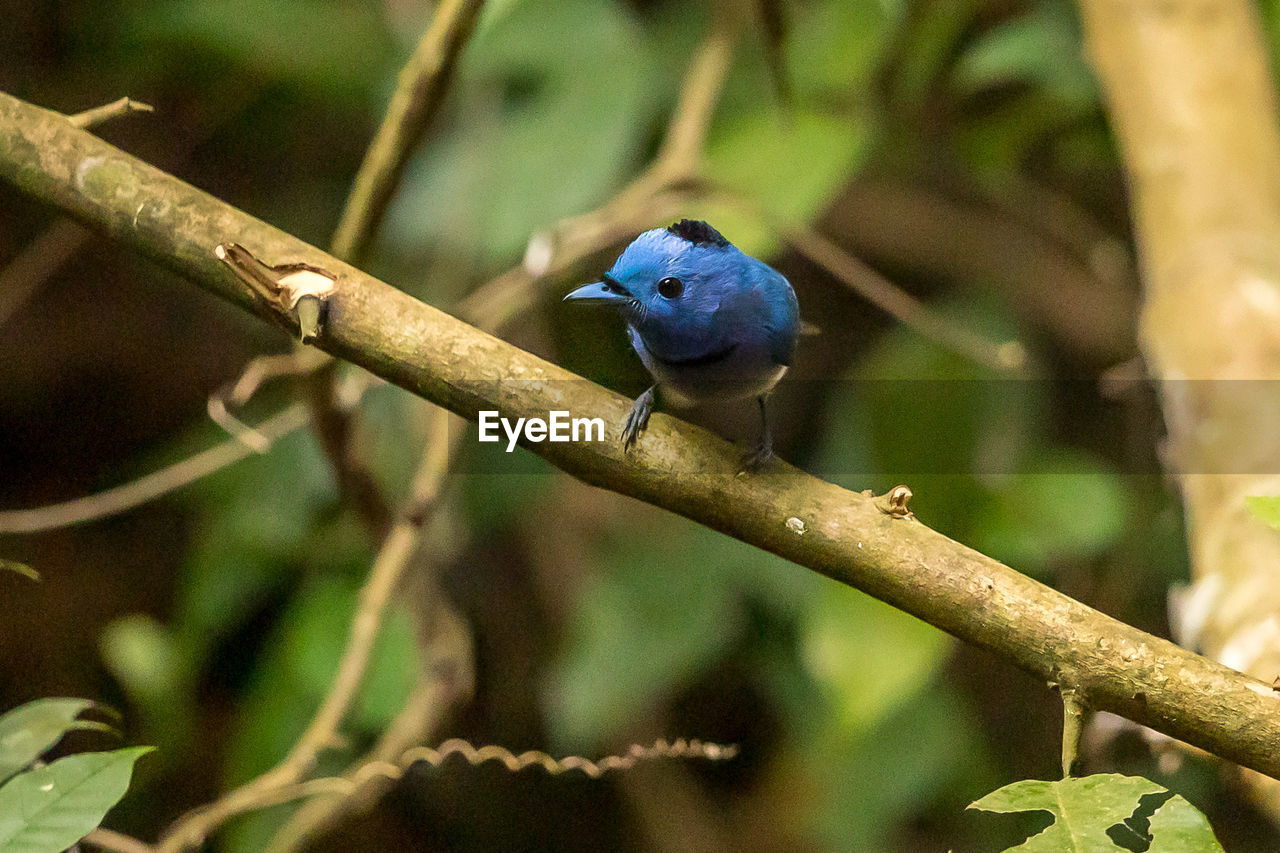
(687, 470)
(419, 93)
(394, 558)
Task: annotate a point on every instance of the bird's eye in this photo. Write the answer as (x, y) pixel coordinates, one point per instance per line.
(670, 288)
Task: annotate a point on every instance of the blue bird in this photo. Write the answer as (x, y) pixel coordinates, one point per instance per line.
(709, 322)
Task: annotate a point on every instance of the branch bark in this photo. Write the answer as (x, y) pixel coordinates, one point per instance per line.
(687, 470)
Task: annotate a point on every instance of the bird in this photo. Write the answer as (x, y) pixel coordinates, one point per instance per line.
(709, 322)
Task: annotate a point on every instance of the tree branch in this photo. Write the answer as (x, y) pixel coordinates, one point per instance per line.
(115, 842)
(419, 93)
(322, 733)
(687, 470)
(422, 84)
(447, 677)
(151, 486)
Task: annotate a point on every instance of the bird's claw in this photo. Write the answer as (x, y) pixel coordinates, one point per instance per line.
(756, 458)
(637, 420)
(759, 455)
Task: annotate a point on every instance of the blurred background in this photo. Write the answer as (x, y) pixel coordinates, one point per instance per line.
(958, 147)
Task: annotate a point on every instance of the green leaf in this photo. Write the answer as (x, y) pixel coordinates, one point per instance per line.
(560, 97)
(259, 517)
(866, 783)
(1084, 808)
(28, 731)
(141, 654)
(50, 809)
(21, 568)
(1179, 827)
(1266, 510)
(1040, 48)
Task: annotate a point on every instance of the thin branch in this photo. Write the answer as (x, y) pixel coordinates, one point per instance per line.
(685, 469)
(116, 842)
(681, 153)
(38, 261)
(416, 101)
(670, 182)
(1072, 726)
(447, 678)
(897, 303)
(107, 112)
(322, 733)
(238, 393)
(334, 427)
(152, 486)
(326, 809)
(938, 234)
(247, 440)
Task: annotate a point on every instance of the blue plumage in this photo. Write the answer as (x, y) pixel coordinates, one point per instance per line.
(708, 321)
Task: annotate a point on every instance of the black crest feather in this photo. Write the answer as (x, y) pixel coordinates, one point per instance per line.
(697, 232)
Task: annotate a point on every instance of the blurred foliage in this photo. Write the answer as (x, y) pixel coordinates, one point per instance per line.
(597, 623)
(1265, 509)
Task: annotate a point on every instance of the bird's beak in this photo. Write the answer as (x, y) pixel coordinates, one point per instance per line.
(597, 293)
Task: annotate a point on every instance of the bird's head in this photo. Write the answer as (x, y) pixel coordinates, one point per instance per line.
(681, 273)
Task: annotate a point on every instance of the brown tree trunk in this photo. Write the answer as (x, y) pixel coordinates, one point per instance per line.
(1192, 101)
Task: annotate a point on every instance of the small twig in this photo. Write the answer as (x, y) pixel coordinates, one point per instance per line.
(116, 842)
(680, 156)
(265, 368)
(388, 568)
(40, 259)
(416, 101)
(260, 371)
(1072, 725)
(888, 297)
(660, 190)
(420, 716)
(106, 112)
(221, 415)
(148, 488)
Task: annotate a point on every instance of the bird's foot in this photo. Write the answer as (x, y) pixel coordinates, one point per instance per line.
(760, 455)
(756, 458)
(638, 419)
